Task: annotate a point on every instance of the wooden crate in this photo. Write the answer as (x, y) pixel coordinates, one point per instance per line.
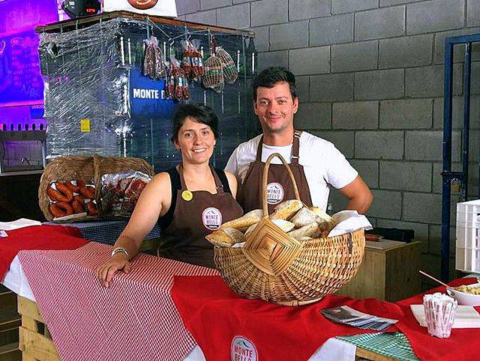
(35, 340)
(388, 272)
(9, 325)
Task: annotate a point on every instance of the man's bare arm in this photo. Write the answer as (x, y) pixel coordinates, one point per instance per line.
(359, 195)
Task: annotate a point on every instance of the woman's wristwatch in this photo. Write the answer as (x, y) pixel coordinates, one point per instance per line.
(118, 250)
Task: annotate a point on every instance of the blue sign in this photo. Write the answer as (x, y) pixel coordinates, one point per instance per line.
(147, 97)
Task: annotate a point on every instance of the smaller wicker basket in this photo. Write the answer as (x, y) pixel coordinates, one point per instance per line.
(88, 169)
(277, 268)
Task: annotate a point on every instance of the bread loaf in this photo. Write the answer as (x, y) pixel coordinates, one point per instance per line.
(225, 237)
(287, 209)
(244, 222)
(310, 230)
(303, 217)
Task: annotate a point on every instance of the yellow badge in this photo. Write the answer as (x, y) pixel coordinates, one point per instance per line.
(85, 125)
(187, 195)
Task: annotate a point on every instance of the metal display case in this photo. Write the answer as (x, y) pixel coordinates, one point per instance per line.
(98, 101)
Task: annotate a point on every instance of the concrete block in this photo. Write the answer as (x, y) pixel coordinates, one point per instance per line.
(338, 201)
(428, 145)
(365, 54)
(475, 79)
(427, 81)
(457, 112)
(187, 6)
(331, 87)
(379, 145)
(379, 84)
(396, 2)
(331, 30)
(262, 38)
(473, 13)
(406, 176)
(237, 16)
(406, 114)
(380, 23)
(213, 4)
(421, 230)
(406, 52)
(312, 116)
(422, 207)
(303, 88)
(368, 170)
(459, 50)
(242, 1)
(355, 115)
(268, 12)
(289, 36)
(308, 9)
(348, 6)
(310, 60)
(343, 141)
(204, 17)
(273, 58)
(386, 204)
(435, 240)
(435, 15)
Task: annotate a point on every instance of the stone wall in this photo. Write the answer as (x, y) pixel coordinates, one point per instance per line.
(370, 79)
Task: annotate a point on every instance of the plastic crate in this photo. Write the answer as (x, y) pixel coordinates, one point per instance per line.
(467, 257)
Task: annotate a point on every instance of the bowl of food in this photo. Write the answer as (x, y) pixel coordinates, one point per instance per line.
(466, 295)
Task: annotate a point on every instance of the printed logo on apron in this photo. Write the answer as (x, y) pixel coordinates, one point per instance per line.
(275, 193)
(212, 218)
(243, 349)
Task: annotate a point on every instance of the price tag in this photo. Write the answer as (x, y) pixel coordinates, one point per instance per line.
(85, 125)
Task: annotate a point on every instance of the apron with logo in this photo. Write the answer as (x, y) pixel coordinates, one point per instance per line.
(279, 186)
(196, 215)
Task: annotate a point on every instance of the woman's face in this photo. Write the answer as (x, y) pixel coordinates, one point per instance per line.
(196, 141)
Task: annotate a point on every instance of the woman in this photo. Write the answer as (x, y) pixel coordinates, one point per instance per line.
(188, 201)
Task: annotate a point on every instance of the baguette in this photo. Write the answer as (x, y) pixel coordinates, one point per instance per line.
(310, 230)
(225, 237)
(287, 209)
(243, 223)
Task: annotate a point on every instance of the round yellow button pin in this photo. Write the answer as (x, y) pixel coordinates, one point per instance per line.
(187, 195)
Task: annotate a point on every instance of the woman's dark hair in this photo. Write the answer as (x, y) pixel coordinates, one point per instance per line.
(269, 77)
(199, 112)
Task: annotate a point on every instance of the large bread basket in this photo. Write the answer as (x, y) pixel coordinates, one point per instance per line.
(88, 169)
(277, 268)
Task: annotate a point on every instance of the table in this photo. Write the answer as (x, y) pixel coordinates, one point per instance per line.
(36, 337)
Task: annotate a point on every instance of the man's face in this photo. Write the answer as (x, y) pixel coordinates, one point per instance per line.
(275, 108)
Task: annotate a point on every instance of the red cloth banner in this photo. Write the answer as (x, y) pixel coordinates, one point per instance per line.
(37, 238)
(215, 315)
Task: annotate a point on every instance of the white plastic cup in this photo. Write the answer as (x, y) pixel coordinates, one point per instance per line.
(439, 314)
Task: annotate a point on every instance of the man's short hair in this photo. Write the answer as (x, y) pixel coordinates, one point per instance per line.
(269, 77)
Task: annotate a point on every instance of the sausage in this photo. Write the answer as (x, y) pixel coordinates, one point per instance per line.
(80, 183)
(79, 198)
(72, 187)
(60, 209)
(88, 192)
(77, 207)
(56, 195)
(63, 189)
(92, 209)
(143, 4)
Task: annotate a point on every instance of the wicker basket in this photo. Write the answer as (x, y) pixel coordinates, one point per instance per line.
(88, 169)
(277, 268)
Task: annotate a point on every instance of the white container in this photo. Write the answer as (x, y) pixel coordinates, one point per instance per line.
(463, 298)
(468, 236)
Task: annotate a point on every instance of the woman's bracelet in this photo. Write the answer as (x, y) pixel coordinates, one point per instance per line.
(118, 250)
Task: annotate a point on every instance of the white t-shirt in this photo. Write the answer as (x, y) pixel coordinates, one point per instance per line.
(322, 162)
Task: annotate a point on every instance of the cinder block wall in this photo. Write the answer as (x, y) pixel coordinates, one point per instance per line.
(370, 78)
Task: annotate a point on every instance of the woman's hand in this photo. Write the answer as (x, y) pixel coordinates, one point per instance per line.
(117, 263)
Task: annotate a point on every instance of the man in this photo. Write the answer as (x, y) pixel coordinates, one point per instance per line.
(315, 162)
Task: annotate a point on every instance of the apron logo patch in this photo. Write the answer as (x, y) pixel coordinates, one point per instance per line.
(275, 193)
(243, 349)
(212, 218)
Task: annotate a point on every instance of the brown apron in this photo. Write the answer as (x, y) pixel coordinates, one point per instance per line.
(280, 187)
(184, 238)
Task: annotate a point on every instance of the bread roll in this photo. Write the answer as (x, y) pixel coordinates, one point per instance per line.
(284, 225)
(303, 217)
(310, 230)
(244, 222)
(225, 237)
(287, 209)
(250, 229)
(319, 212)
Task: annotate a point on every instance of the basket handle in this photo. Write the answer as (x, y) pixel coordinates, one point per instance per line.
(265, 181)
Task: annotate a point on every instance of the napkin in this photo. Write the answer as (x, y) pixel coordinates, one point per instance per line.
(19, 223)
(465, 317)
(348, 221)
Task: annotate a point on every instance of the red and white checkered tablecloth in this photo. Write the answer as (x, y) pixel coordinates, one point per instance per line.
(134, 319)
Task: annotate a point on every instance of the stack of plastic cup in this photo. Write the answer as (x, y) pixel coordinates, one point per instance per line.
(439, 314)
